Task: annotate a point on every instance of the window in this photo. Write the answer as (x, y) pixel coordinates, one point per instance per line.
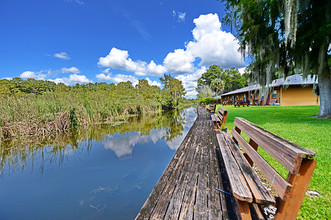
(274, 94)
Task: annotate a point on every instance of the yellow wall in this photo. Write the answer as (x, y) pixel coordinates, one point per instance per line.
(297, 95)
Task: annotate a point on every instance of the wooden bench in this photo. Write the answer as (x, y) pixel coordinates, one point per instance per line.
(251, 194)
(211, 108)
(219, 119)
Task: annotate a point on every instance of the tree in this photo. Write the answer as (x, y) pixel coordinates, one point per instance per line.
(173, 91)
(217, 85)
(216, 81)
(285, 37)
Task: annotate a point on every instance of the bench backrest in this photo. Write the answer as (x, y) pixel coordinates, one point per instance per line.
(222, 115)
(296, 159)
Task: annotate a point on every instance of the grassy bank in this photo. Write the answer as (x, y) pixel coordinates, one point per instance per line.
(297, 125)
(56, 112)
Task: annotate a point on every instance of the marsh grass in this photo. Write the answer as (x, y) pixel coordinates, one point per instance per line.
(297, 124)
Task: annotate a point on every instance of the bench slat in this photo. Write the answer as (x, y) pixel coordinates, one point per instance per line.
(276, 180)
(238, 183)
(287, 153)
(260, 193)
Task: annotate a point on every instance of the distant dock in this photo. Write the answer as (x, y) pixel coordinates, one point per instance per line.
(187, 188)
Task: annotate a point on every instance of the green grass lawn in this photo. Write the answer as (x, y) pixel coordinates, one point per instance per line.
(296, 124)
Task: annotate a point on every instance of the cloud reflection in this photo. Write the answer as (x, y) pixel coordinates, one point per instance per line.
(123, 145)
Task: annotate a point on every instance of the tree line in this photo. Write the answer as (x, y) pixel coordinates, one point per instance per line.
(42, 107)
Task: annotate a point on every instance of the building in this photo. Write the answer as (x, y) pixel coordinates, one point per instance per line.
(293, 90)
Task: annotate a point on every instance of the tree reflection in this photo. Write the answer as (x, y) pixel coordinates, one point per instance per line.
(19, 153)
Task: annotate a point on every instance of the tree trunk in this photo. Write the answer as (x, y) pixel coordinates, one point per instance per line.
(324, 82)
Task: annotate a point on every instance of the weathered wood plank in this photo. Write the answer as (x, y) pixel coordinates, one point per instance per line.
(259, 192)
(201, 198)
(276, 180)
(238, 183)
(214, 204)
(188, 172)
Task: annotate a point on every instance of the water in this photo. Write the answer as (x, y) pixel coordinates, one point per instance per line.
(101, 173)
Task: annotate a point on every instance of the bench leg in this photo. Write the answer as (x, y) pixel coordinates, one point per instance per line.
(289, 209)
(245, 212)
(215, 125)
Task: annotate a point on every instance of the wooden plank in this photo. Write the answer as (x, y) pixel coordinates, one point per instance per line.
(164, 197)
(214, 206)
(285, 152)
(189, 170)
(201, 209)
(187, 206)
(259, 192)
(238, 183)
(245, 212)
(256, 212)
(275, 179)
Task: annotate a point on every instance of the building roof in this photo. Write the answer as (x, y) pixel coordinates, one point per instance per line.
(290, 80)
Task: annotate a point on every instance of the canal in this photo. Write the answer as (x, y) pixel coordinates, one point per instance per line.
(105, 172)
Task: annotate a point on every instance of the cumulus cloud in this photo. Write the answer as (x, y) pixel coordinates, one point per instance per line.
(212, 45)
(153, 83)
(124, 78)
(156, 70)
(119, 59)
(70, 70)
(117, 78)
(72, 79)
(62, 55)
(179, 62)
(34, 75)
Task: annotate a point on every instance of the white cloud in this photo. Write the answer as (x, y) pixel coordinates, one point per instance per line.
(34, 75)
(103, 76)
(62, 55)
(190, 81)
(106, 71)
(119, 59)
(72, 79)
(153, 83)
(70, 70)
(212, 45)
(118, 78)
(80, 2)
(124, 78)
(242, 70)
(179, 62)
(156, 70)
(179, 16)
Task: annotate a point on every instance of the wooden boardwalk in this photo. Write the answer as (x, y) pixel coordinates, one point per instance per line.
(187, 188)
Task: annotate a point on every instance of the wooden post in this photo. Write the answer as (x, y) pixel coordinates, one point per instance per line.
(289, 209)
(245, 212)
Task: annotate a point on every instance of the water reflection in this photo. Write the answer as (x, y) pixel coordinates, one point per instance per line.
(105, 172)
(120, 137)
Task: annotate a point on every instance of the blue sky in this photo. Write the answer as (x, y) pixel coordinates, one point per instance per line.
(81, 41)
